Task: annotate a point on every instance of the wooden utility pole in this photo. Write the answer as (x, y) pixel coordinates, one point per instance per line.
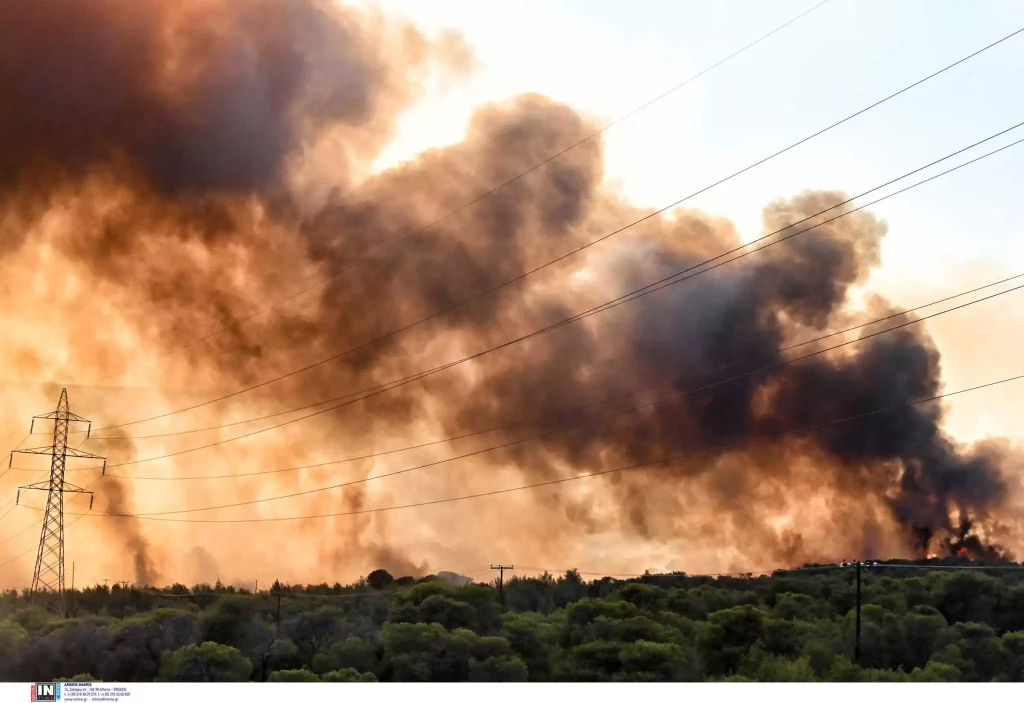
(856, 643)
(501, 581)
(71, 594)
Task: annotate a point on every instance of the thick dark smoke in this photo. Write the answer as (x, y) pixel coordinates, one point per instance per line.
(113, 494)
(192, 160)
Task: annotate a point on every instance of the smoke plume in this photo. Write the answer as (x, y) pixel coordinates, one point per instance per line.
(168, 168)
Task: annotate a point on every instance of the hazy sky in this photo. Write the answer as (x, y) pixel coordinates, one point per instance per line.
(605, 58)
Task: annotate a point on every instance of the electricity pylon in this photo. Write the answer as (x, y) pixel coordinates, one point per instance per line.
(49, 571)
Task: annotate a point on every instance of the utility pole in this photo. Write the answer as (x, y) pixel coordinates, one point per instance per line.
(856, 645)
(49, 570)
(501, 581)
(72, 610)
(856, 641)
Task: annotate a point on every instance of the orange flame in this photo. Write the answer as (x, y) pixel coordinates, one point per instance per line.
(931, 555)
(964, 552)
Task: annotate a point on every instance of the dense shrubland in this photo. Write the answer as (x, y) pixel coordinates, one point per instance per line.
(917, 625)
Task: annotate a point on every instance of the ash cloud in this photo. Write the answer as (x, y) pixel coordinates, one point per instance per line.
(192, 160)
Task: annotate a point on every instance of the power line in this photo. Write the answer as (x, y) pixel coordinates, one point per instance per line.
(719, 574)
(559, 430)
(578, 249)
(4, 473)
(132, 438)
(648, 464)
(16, 447)
(37, 524)
(485, 194)
(1011, 567)
(536, 420)
(34, 525)
(621, 300)
(599, 419)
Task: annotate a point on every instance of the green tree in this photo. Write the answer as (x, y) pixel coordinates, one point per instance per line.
(658, 661)
(348, 676)
(206, 662)
(429, 652)
(80, 678)
(34, 618)
(967, 597)
(926, 632)
(726, 637)
(935, 672)
(138, 645)
(350, 653)
(379, 579)
(982, 651)
(644, 596)
(1013, 646)
(534, 639)
(12, 637)
(294, 676)
(311, 631)
(597, 660)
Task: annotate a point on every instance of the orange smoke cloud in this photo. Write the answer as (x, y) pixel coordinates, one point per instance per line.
(168, 168)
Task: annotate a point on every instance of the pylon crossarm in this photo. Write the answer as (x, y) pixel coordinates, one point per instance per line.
(78, 453)
(45, 486)
(66, 415)
(72, 488)
(40, 486)
(36, 450)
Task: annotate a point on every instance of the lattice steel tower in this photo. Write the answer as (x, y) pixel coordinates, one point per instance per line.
(49, 571)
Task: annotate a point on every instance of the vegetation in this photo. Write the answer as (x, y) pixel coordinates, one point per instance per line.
(916, 625)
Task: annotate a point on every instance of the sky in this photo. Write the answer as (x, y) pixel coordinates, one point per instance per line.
(607, 58)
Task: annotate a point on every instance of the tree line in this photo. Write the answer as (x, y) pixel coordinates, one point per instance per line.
(916, 625)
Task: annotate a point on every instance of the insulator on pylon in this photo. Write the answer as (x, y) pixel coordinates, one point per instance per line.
(17, 499)
(88, 430)
(32, 426)
(90, 501)
(104, 472)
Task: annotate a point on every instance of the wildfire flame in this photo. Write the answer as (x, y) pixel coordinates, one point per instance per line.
(964, 552)
(931, 555)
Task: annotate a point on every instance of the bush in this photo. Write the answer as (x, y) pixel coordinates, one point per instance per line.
(206, 662)
(294, 676)
(348, 676)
